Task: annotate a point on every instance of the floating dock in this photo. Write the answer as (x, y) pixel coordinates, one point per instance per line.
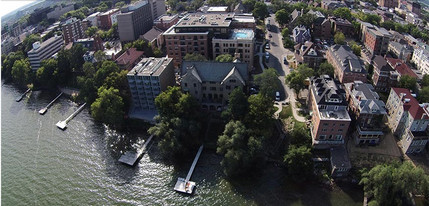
(43, 110)
(184, 185)
(22, 96)
(131, 157)
(63, 124)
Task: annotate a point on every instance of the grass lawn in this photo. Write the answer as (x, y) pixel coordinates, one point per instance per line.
(286, 112)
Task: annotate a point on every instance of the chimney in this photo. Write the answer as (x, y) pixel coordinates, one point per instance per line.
(128, 51)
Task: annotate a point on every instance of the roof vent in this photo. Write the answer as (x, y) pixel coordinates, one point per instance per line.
(36, 45)
(406, 100)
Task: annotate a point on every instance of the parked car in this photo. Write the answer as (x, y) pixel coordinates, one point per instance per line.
(277, 96)
(267, 46)
(270, 35)
(284, 60)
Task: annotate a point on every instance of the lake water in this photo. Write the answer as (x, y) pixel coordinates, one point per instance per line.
(43, 165)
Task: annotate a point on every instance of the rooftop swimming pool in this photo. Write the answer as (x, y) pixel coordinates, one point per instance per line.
(242, 34)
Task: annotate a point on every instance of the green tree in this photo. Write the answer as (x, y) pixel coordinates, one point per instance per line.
(282, 17)
(260, 10)
(260, 116)
(46, 74)
(306, 20)
(224, 58)
(100, 56)
(239, 150)
(21, 72)
(425, 80)
(106, 68)
(29, 40)
(407, 82)
(194, 57)
(91, 31)
(391, 184)
(326, 68)
(288, 43)
(355, 48)
(296, 79)
(64, 68)
(339, 38)
(77, 51)
(285, 33)
(343, 12)
(300, 136)
(389, 25)
(299, 163)
(119, 5)
(102, 7)
(108, 107)
(8, 61)
(268, 82)
(424, 95)
(238, 106)
(249, 5)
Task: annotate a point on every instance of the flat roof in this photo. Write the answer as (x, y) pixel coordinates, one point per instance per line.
(205, 20)
(166, 17)
(217, 8)
(334, 115)
(150, 66)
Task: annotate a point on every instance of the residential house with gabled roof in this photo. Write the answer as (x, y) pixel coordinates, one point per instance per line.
(402, 68)
(212, 82)
(301, 34)
(293, 17)
(347, 66)
(330, 119)
(384, 76)
(367, 112)
(309, 54)
(129, 59)
(408, 120)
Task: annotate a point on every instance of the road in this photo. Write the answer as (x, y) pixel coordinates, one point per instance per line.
(277, 54)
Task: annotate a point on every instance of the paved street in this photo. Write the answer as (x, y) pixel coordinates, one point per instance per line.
(277, 53)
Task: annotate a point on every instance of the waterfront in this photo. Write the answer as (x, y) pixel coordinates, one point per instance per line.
(42, 165)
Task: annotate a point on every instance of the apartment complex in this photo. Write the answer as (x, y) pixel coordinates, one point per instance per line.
(44, 50)
(72, 30)
(400, 51)
(343, 26)
(134, 20)
(148, 79)
(421, 59)
(347, 66)
(157, 7)
(408, 120)
(330, 119)
(308, 53)
(92, 44)
(376, 39)
(107, 19)
(367, 110)
(240, 45)
(388, 3)
(212, 82)
(384, 76)
(194, 33)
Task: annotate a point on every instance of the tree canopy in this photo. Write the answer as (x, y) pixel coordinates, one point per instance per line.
(194, 57)
(391, 184)
(260, 10)
(339, 38)
(296, 79)
(29, 40)
(355, 48)
(268, 82)
(407, 82)
(343, 12)
(8, 61)
(326, 68)
(224, 58)
(21, 72)
(108, 107)
(238, 106)
(299, 163)
(282, 17)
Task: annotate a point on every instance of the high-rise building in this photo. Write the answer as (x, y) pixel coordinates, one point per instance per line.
(148, 79)
(376, 39)
(44, 50)
(72, 30)
(134, 20)
(388, 3)
(158, 8)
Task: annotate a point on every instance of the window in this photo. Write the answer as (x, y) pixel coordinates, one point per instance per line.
(342, 125)
(195, 85)
(339, 137)
(203, 88)
(325, 124)
(340, 130)
(324, 130)
(232, 80)
(322, 137)
(228, 87)
(186, 84)
(212, 88)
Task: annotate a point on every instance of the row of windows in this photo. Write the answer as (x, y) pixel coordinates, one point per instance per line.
(331, 137)
(182, 37)
(327, 124)
(324, 130)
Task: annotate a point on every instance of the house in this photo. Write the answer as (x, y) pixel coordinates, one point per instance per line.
(154, 37)
(402, 68)
(92, 44)
(300, 34)
(321, 27)
(400, 51)
(309, 54)
(212, 82)
(330, 120)
(421, 59)
(408, 120)
(367, 111)
(332, 5)
(129, 59)
(343, 26)
(294, 17)
(384, 76)
(347, 66)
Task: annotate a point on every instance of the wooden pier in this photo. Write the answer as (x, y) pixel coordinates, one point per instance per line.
(184, 185)
(131, 157)
(63, 124)
(22, 96)
(43, 110)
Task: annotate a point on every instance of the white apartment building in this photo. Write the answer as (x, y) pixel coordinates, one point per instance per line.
(44, 50)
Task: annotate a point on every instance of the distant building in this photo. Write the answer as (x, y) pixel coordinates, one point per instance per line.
(212, 82)
(388, 3)
(214, 9)
(414, 7)
(321, 26)
(135, 20)
(129, 59)
(92, 19)
(72, 30)
(309, 54)
(384, 76)
(148, 79)
(158, 8)
(243, 21)
(92, 44)
(400, 51)
(421, 59)
(240, 44)
(330, 119)
(332, 5)
(107, 19)
(294, 17)
(343, 26)
(44, 50)
(408, 120)
(376, 39)
(367, 110)
(59, 11)
(347, 66)
(165, 21)
(300, 34)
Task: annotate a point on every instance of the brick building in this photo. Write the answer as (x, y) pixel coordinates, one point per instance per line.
(347, 66)
(72, 30)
